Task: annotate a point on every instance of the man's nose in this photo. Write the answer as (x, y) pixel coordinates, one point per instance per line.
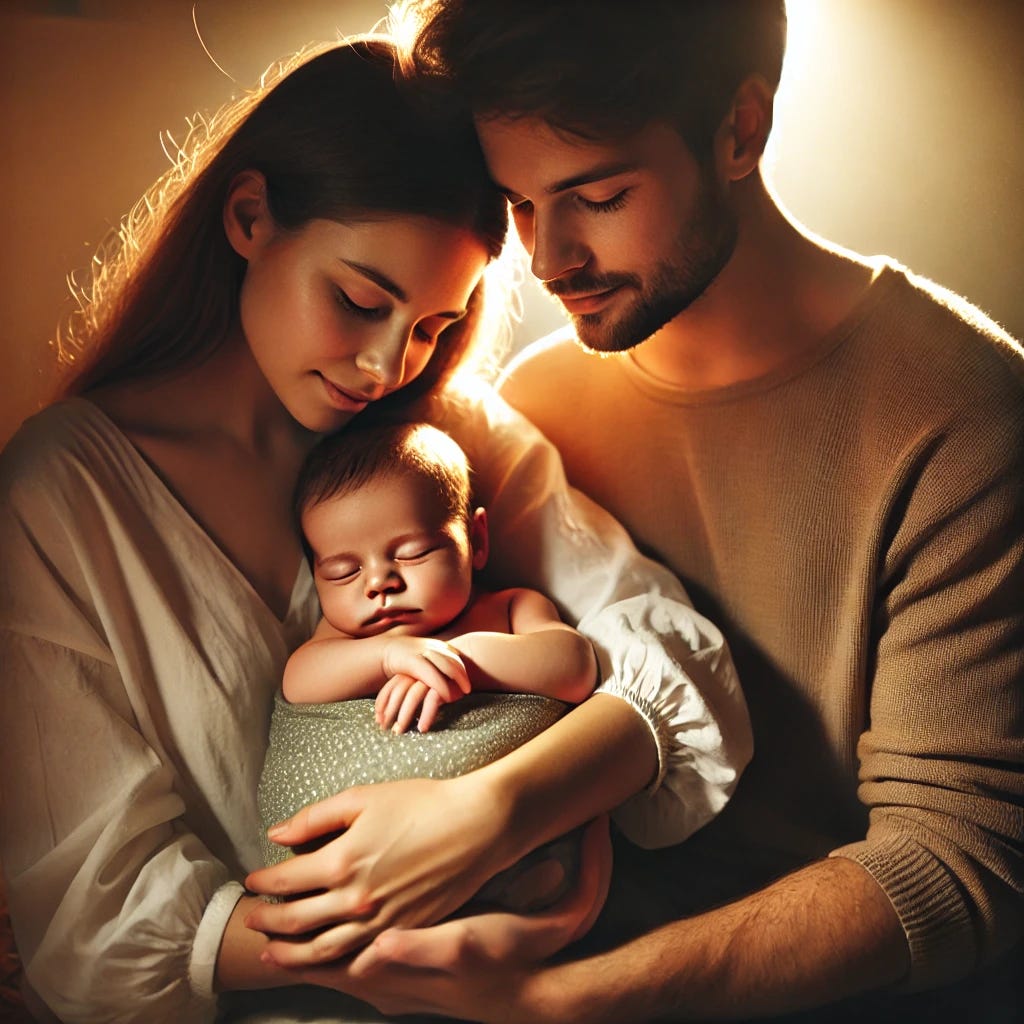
(557, 248)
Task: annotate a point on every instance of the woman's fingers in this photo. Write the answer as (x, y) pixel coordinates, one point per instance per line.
(324, 947)
(300, 919)
(396, 865)
(583, 904)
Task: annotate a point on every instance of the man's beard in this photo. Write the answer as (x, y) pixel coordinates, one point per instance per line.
(702, 249)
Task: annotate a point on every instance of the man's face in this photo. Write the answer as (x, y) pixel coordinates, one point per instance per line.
(625, 234)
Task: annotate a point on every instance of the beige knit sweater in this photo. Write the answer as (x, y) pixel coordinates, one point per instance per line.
(854, 521)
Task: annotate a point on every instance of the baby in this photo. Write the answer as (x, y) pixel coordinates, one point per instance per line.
(406, 636)
(393, 542)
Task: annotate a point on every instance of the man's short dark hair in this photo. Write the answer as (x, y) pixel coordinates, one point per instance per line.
(603, 69)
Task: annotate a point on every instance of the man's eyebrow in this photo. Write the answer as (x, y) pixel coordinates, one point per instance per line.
(379, 279)
(597, 173)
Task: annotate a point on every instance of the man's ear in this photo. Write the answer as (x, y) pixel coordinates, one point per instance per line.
(479, 538)
(246, 216)
(743, 134)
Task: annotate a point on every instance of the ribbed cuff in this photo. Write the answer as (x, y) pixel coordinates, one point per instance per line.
(929, 904)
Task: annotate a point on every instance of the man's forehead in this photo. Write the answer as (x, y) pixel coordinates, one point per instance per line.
(528, 150)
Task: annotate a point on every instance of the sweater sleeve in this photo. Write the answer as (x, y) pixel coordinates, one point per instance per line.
(654, 650)
(942, 760)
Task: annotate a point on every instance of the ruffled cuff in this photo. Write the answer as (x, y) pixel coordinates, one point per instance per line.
(673, 667)
(202, 964)
(928, 902)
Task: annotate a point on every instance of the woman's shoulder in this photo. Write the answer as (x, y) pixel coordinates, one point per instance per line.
(56, 449)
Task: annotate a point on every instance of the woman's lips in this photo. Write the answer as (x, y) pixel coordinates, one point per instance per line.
(347, 401)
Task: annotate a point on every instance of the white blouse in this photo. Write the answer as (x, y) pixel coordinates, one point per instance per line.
(139, 668)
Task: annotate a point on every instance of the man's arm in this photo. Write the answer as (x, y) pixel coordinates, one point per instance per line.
(822, 934)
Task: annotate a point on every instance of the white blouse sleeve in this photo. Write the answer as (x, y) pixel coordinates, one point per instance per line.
(118, 906)
(113, 901)
(655, 651)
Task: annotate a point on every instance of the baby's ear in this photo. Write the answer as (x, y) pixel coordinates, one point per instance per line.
(479, 538)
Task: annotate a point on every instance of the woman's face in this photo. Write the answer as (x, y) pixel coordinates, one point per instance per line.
(339, 315)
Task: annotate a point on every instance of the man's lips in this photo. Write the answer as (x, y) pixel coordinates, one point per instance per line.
(587, 302)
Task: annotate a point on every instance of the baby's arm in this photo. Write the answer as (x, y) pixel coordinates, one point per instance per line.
(540, 655)
(331, 666)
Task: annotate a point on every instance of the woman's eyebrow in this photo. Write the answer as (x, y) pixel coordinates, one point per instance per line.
(378, 278)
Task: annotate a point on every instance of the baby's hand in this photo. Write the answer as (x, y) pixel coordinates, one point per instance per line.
(424, 674)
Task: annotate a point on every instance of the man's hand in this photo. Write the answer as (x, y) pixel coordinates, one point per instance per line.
(424, 673)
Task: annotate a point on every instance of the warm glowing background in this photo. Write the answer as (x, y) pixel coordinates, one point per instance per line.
(898, 130)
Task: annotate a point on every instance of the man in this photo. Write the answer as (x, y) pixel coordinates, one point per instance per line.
(830, 453)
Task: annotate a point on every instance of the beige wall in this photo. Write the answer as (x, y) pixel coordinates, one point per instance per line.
(899, 131)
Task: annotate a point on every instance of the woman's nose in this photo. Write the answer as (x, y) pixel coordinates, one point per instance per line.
(384, 362)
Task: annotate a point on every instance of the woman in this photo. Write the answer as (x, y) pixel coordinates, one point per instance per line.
(322, 251)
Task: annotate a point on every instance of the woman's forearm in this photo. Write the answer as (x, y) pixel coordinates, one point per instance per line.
(238, 959)
(591, 760)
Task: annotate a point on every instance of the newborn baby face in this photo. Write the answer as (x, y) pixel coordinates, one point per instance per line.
(390, 557)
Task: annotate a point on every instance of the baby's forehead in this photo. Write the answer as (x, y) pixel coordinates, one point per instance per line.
(415, 496)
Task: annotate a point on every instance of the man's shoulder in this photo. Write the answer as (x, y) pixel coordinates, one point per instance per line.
(922, 356)
(537, 378)
(558, 348)
(960, 338)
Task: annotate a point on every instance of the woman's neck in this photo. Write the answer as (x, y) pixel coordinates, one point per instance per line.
(225, 398)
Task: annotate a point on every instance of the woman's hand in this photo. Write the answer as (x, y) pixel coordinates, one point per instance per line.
(472, 967)
(412, 853)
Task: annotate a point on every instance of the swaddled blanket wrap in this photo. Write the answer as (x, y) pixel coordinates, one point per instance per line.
(317, 750)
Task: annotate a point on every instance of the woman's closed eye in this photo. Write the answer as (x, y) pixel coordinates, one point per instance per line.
(363, 312)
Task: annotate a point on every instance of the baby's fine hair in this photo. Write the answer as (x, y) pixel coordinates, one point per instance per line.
(361, 453)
